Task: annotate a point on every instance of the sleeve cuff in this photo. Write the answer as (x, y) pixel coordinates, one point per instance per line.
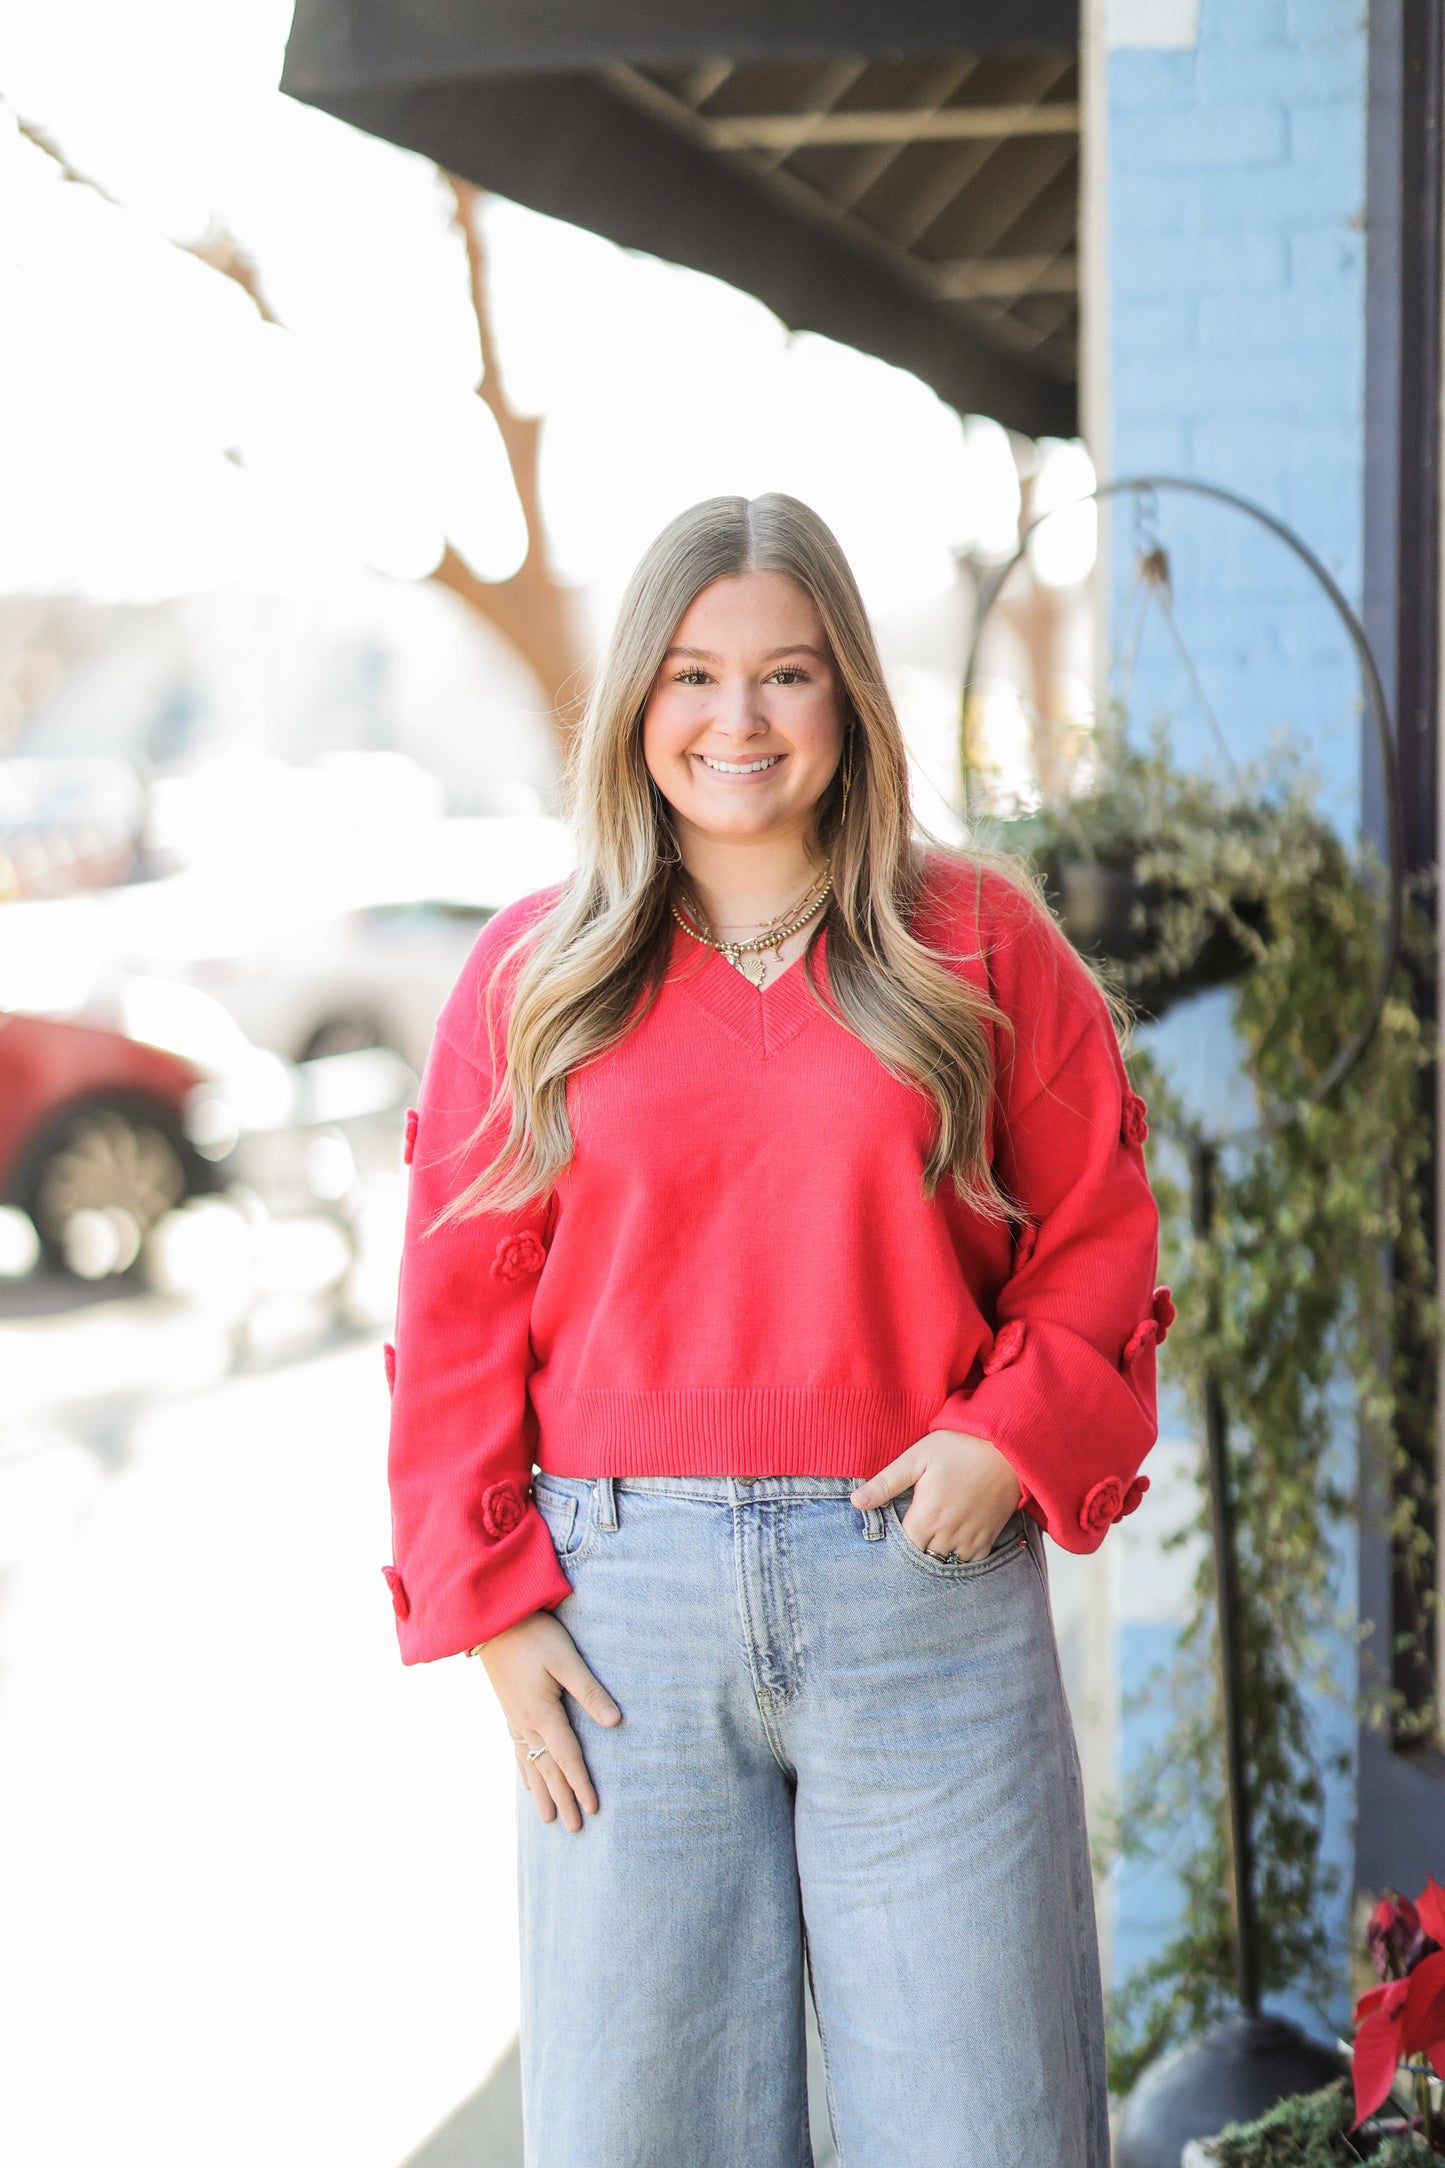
(1080, 1475)
(520, 1574)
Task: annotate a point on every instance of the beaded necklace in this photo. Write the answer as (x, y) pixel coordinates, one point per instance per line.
(774, 934)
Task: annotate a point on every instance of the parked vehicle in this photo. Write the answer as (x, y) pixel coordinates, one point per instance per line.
(374, 969)
(93, 1139)
(375, 977)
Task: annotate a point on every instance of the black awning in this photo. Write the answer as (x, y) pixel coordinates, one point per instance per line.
(901, 177)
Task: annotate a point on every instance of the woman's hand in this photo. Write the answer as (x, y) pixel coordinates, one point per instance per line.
(964, 1493)
(528, 1666)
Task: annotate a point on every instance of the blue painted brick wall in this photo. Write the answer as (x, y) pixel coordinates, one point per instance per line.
(1235, 177)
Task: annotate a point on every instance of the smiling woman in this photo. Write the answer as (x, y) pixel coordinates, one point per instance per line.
(742, 734)
(809, 1303)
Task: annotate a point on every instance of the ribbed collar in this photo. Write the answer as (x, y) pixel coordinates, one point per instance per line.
(763, 1018)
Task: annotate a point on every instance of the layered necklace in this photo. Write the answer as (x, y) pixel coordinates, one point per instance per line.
(773, 935)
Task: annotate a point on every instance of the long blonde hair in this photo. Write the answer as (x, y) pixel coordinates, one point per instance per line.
(592, 965)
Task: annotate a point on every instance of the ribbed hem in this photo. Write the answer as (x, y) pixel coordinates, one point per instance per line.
(763, 1430)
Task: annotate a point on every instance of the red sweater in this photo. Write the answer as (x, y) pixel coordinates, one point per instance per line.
(739, 1274)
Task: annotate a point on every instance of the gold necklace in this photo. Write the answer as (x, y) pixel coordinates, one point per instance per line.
(778, 917)
(774, 934)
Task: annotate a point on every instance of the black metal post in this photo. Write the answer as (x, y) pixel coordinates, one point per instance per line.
(1203, 1166)
(1247, 2062)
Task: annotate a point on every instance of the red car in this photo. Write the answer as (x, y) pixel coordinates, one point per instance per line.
(92, 1138)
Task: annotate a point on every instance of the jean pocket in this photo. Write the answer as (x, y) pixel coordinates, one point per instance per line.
(567, 1514)
(1010, 1542)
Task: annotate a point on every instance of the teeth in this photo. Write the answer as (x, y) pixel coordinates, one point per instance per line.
(739, 767)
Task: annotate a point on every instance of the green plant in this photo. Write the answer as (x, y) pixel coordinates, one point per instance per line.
(1319, 1271)
(1312, 2130)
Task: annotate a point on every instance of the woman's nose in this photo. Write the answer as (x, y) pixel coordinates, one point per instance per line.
(739, 709)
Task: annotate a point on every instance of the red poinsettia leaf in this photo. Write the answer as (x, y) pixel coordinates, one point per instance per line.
(1377, 2055)
(1430, 1905)
(1390, 1998)
(1422, 2017)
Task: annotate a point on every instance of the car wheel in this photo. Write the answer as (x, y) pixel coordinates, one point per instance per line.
(98, 1182)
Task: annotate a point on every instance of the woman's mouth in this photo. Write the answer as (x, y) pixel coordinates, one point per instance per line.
(739, 767)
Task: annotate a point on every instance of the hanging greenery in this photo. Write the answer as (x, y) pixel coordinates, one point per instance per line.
(1321, 1270)
(1315, 2130)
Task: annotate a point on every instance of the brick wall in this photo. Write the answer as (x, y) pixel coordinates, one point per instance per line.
(1231, 208)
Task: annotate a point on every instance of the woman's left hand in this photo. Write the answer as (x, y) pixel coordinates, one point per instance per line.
(964, 1493)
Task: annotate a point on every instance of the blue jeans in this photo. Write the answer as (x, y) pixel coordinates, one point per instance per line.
(838, 1752)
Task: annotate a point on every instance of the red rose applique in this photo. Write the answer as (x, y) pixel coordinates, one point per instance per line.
(388, 1360)
(400, 1601)
(408, 1137)
(518, 1257)
(1164, 1312)
(1133, 1495)
(502, 1508)
(1102, 1506)
(1145, 1333)
(1024, 1247)
(1134, 1128)
(1006, 1347)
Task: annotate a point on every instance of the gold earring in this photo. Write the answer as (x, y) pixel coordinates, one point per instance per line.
(847, 780)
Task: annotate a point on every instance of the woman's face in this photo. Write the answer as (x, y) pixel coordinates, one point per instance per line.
(743, 728)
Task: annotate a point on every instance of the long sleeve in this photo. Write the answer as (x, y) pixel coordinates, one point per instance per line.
(470, 1553)
(1068, 1389)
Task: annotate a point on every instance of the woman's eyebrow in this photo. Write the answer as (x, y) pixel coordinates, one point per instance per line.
(704, 654)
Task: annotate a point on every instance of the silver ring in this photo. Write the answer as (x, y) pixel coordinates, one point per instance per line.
(534, 1751)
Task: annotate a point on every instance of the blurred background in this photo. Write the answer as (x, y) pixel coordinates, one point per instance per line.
(337, 406)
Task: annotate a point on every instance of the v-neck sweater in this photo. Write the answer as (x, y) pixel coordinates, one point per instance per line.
(738, 1272)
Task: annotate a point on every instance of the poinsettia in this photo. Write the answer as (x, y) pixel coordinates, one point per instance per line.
(1396, 1937)
(1402, 2017)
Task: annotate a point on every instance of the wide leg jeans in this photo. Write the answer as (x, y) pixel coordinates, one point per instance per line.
(836, 1753)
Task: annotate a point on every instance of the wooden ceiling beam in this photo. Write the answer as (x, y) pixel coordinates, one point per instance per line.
(947, 124)
(1006, 278)
(959, 171)
(704, 81)
(837, 80)
(871, 163)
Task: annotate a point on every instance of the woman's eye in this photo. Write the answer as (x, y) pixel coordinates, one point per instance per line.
(690, 677)
(791, 674)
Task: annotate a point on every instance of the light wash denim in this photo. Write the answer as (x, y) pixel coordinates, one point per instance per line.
(838, 1752)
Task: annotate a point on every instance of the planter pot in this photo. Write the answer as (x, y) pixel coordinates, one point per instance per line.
(1101, 906)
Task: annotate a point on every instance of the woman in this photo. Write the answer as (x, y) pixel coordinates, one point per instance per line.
(779, 1264)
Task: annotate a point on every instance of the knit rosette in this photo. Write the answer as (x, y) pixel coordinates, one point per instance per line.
(1145, 1334)
(1109, 1501)
(1134, 1128)
(518, 1257)
(502, 1508)
(1006, 1347)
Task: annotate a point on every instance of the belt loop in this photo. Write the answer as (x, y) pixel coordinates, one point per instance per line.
(606, 1504)
(873, 1523)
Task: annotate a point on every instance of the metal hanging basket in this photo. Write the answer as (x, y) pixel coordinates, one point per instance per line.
(1110, 905)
